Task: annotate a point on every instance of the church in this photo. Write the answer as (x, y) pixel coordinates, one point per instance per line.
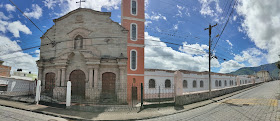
(101, 58)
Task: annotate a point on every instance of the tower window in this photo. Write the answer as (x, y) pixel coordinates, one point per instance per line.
(133, 32)
(133, 7)
(133, 60)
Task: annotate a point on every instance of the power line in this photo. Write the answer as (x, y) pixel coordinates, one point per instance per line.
(52, 42)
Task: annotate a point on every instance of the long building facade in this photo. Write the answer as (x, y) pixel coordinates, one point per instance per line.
(105, 60)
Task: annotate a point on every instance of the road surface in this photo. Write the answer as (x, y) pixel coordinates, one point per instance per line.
(11, 114)
(257, 104)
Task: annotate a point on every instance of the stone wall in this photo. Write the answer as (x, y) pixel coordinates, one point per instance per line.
(192, 98)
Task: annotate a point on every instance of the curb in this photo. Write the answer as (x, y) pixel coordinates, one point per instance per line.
(83, 119)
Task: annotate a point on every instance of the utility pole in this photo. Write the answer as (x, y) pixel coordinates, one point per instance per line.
(210, 31)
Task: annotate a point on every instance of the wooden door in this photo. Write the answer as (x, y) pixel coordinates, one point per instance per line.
(108, 83)
(49, 82)
(77, 78)
(134, 93)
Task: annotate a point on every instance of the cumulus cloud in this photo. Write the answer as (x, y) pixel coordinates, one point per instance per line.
(50, 3)
(36, 13)
(16, 26)
(155, 16)
(230, 44)
(3, 17)
(18, 59)
(253, 55)
(10, 8)
(206, 8)
(159, 56)
(229, 66)
(261, 24)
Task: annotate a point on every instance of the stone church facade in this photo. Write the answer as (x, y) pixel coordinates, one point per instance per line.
(89, 49)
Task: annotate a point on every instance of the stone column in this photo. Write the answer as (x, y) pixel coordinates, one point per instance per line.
(90, 80)
(96, 77)
(63, 77)
(57, 82)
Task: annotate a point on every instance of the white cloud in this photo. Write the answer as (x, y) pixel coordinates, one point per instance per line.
(175, 27)
(16, 26)
(252, 55)
(230, 44)
(159, 56)
(147, 23)
(36, 13)
(206, 9)
(193, 49)
(261, 24)
(50, 3)
(18, 59)
(155, 16)
(229, 66)
(10, 8)
(3, 17)
(234, 18)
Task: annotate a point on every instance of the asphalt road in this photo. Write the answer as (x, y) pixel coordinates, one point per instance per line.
(11, 114)
(257, 104)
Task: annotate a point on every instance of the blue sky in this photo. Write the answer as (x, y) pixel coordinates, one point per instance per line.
(249, 39)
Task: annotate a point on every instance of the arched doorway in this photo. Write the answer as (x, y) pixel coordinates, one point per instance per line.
(77, 78)
(49, 83)
(108, 83)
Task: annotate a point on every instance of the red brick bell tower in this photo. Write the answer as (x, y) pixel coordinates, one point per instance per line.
(133, 19)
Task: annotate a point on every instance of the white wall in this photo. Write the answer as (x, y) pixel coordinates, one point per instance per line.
(161, 75)
(18, 86)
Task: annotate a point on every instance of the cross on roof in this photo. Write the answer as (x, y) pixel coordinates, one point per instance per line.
(81, 2)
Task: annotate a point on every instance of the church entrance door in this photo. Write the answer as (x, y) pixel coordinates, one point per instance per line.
(108, 83)
(77, 78)
(49, 83)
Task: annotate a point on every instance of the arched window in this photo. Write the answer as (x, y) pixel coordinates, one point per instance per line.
(245, 81)
(152, 83)
(225, 82)
(133, 59)
(167, 83)
(216, 83)
(185, 84)
(201, 84)
(194, 83)
(240, 82)
(133, 7)
(133, 32)
(78, 43)
(220, 83)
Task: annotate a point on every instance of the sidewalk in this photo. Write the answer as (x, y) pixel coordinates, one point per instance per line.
(119, 115)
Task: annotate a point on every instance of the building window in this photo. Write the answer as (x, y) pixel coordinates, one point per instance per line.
(167, 83)
(133, 32)
(216, 83)
(245, 81)
(240, 82)
(194, 83)
(152, 83)
(185, 84)
(220, 83)
(133, 59)
(225, 82)
(78, 43)
(201, 84)
(133, 7)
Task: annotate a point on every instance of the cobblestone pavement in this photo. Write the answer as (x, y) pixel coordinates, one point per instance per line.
(257, 104)
(10, 114)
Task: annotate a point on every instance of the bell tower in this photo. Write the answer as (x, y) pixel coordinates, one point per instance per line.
(133, 19)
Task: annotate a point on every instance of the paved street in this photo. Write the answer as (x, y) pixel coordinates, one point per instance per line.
(10, 114)
(258, 104)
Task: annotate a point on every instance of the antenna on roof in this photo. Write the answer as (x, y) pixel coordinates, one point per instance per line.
(81, 2)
